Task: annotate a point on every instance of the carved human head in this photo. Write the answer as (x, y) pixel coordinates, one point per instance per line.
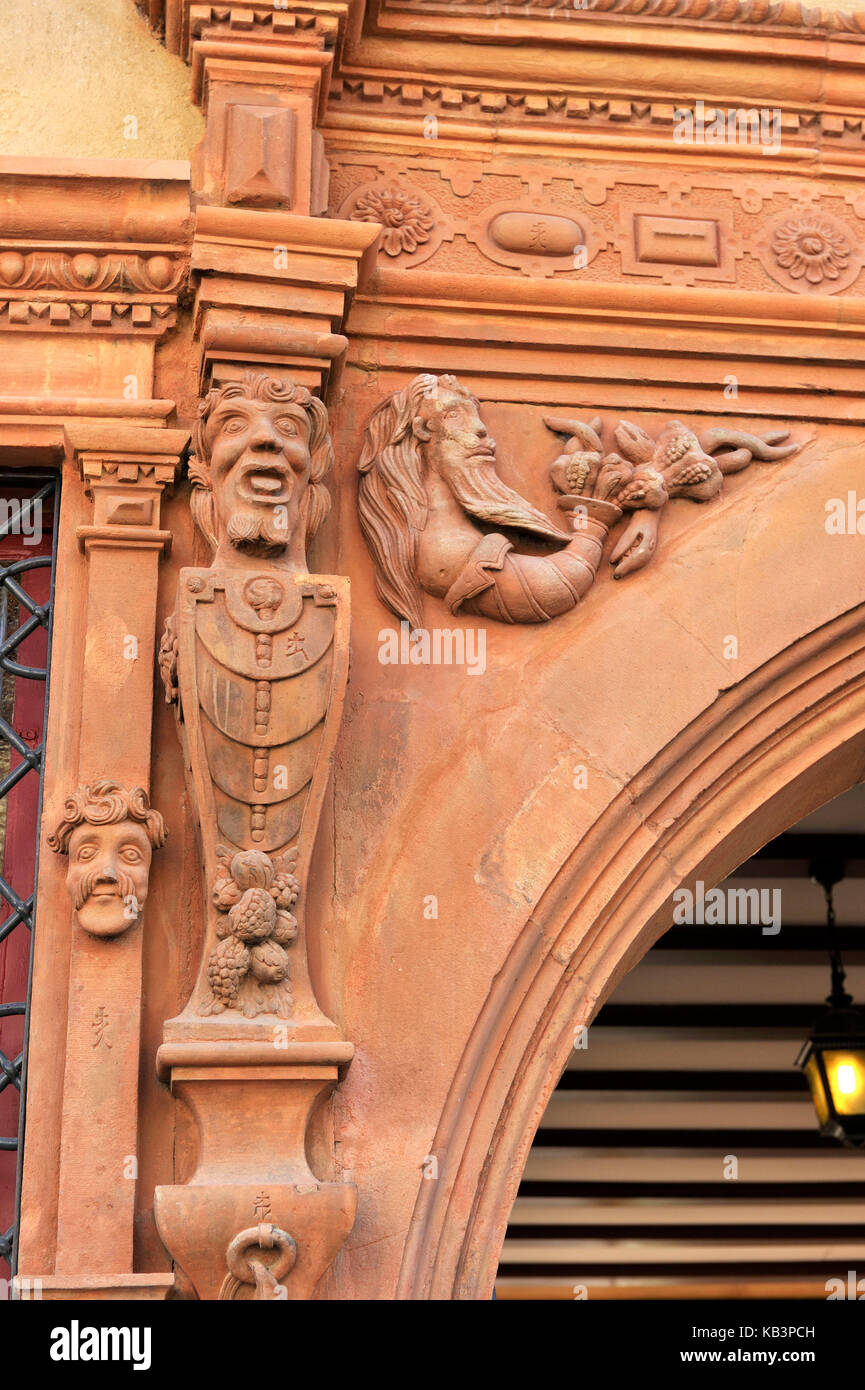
(262, 450)
(433, 426)
(109, 833)
(447, 424)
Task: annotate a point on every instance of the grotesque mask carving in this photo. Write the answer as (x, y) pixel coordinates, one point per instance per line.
(262, 450)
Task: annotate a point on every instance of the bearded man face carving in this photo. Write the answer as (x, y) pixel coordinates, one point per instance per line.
(262, 449)
(429, 488)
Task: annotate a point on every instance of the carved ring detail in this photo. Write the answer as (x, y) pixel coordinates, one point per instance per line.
(264, 1277)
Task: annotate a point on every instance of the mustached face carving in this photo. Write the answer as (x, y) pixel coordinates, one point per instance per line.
(109, 833)
(260, 467)
(109, 867)
(262, 450)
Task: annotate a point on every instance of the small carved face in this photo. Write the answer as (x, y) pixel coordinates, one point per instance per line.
(107, 877)
(458, 437)
(260, 467)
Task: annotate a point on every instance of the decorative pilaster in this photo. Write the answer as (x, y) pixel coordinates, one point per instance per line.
(256, 659)
(274, 277)
(108, 832)
(261, 78)
(262, 101)
(256, 655)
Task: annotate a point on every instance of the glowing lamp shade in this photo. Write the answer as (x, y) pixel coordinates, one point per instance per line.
(833, 1060)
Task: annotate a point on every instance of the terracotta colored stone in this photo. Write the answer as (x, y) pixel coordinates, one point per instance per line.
(644, 652)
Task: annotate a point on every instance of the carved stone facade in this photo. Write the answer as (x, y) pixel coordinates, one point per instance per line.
(448, 324)
(428, 475)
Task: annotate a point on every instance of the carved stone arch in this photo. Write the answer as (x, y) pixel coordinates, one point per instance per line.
(783, 741)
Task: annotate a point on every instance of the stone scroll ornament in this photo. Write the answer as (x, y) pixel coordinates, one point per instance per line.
(430, 500)
(255, 660)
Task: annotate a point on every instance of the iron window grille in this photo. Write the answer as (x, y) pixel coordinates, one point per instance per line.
(21, 616)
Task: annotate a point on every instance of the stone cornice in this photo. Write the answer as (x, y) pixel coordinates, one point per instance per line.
(661, 346)
(545, 62)
(273, 290)
(177, 19)
(391, 115)
(93, 246)
(726, 14)
(33, 428)
(320, 23)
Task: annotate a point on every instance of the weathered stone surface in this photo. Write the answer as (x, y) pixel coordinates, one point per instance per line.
(501, 832)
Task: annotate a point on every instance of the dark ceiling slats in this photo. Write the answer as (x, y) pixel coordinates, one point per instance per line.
(625, 1189)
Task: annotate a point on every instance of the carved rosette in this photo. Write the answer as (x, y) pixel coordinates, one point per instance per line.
(414, 225)
(809, 250)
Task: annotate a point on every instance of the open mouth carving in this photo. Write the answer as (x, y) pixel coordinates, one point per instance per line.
(264, 483)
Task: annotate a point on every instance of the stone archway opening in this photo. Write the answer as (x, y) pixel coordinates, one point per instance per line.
(679, 1156)
(783, 742)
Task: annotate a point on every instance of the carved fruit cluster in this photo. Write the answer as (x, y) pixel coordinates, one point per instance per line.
(645, 472)
(255, 898)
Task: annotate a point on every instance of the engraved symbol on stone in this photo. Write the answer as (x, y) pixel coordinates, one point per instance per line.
(100, 1025)
(261, 1206)
(295, 644)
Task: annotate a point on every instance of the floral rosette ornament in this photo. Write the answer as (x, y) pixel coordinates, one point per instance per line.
(406, 219)
(811, 247)
(249, 968)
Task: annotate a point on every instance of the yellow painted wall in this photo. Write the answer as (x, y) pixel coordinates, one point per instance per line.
(72, 73)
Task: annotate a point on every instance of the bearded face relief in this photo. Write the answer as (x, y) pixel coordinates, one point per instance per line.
(261, 450)
(457, 444)
(451, 419)
(259, 468)
(430, 495)
(109, 833)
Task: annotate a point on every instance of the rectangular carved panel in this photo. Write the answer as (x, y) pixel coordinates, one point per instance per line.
(676, 240)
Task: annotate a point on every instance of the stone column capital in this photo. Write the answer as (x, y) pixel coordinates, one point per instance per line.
(125, 470)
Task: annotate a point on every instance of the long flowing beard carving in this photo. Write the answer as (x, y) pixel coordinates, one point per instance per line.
(480, 490)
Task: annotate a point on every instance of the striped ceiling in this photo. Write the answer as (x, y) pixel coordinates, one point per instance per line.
(690, 1062)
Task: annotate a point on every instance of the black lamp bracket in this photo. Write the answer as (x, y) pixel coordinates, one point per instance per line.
(827, 871)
